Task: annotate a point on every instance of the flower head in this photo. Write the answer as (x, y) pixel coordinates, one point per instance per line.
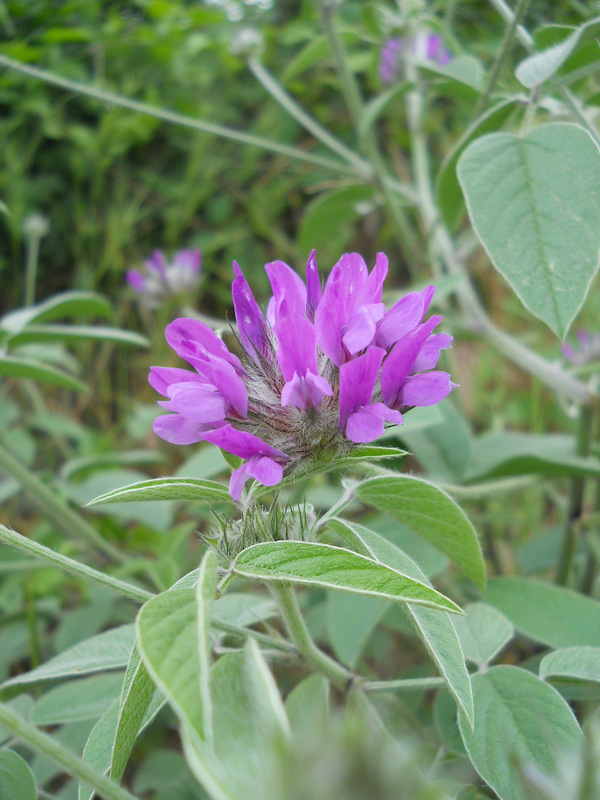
(321, 371)
(425, 46)
(163, 279)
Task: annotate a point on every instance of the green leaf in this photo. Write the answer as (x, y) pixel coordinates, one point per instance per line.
(249, 718)
(546, 613)
(483, 632)
(580, 663)
(109, 744)
(307, 705)
(444, 449)
(334, 568)
(108, 650)
(431, 513)
(375, 107)
(503, 453)
(16, 367)
(97, 750)
(366, 452)
(519, 720)
(437, 631)
(166, 489)
(449, 195)
(537, 68)
(330, 220)
(167, 629)
(350, 620)
(173, 640)
(85, 698)
(69, 333)
(466, 70)
(533, 203)
(61, 306)
(16, 778)
(138, 705)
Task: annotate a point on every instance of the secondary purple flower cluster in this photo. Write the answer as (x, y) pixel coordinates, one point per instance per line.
(323, 370)
(162, 279)
(425, 46)
(585, 352)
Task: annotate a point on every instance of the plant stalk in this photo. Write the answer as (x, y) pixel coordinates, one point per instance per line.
(285, 597)
(351, 92)
(173, 117)
(507, 42)
(72, 566)
(403, 685)
(41, 743)
(570, 535)
(53, 506)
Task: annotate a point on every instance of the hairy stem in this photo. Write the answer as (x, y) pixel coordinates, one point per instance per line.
(406, 238)
(173, 117)
(507, 42)
(73, 567)
(41, 743)
(292, 616)
(570, 537)
(403, 685)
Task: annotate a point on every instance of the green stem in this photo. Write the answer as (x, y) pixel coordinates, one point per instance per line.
(177, 119)
(73, 567)
(51, 504)
(569, 542)
(31, 265)
(508, 16)
(351, 92)
(290, 611)
(579, 113)
(507, 41)
(41, 743)
(307, 122)
(403, 685)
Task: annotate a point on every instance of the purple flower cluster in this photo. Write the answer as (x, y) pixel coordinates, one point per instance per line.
(163, 279)
(586, 352)
(323, 370)
(425, 46)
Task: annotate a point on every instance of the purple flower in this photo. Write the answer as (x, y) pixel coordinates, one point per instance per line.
(587, 351)
(425, 46)
(321, 371)
(162, 279)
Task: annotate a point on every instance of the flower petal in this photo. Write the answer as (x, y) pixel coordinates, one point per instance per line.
(242, 443)
(430, 352)
(297, 346)
(289, 293)
(426, 389)
(252, 326)
(366, 424)
(184, 329)
(305, 391)
(176, 429)
(313, 286)
(400, 361)
(402, 318)
(262, 469)
(361, 327)
(161, 378)
(196, 402)
(357, 381)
